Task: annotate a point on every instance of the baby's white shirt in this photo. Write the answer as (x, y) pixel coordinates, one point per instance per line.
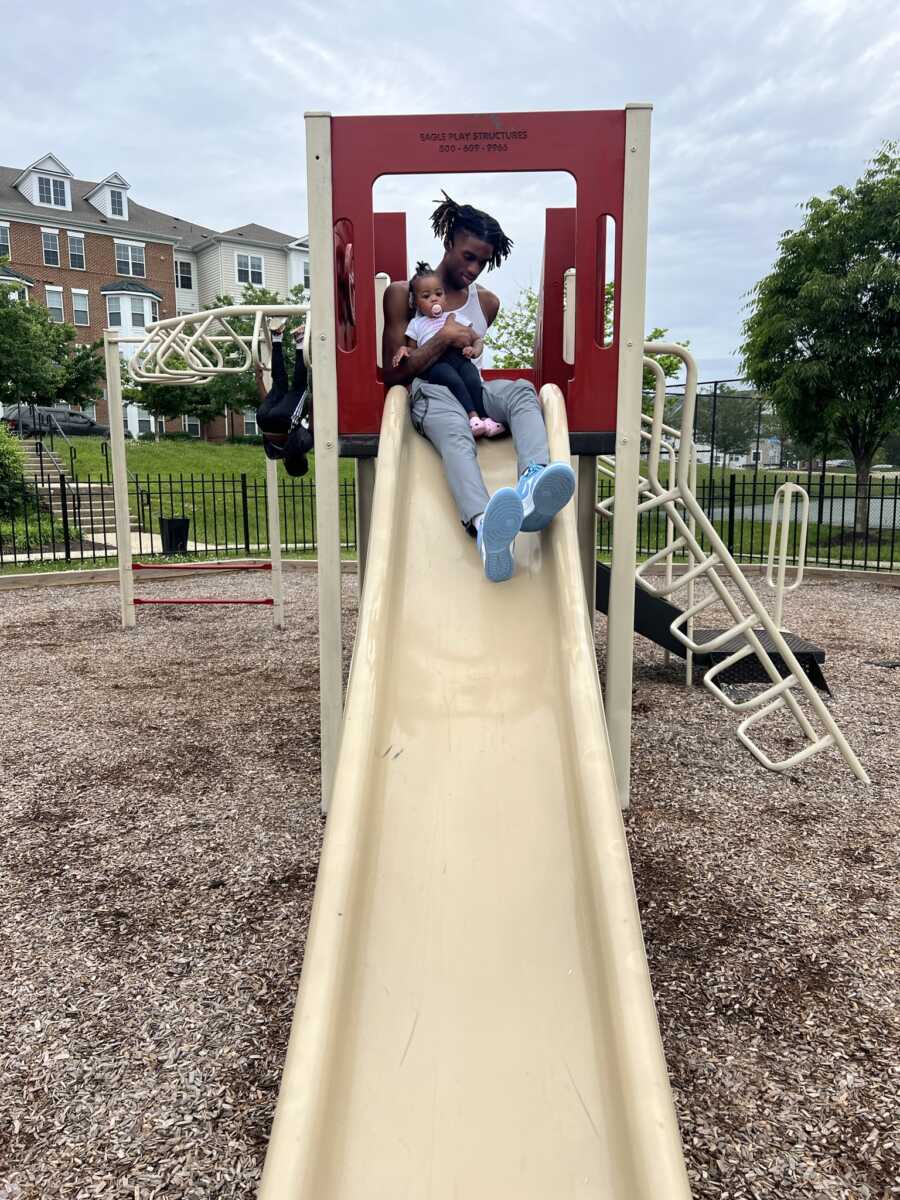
(422, 329)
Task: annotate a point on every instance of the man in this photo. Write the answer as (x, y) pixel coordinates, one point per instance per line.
(473, 240)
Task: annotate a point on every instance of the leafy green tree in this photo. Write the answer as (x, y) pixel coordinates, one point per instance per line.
(40, 362)
(30, 367)
(512, 338)
(512, 335)
(736, 417)
(821, 338)
(83, 370)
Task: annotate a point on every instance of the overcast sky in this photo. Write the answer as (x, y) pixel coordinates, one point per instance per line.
(757, 106)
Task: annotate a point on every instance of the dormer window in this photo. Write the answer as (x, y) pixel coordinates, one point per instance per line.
(52, 191)
(116, 203)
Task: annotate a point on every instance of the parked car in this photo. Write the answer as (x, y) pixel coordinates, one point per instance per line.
(27, 419)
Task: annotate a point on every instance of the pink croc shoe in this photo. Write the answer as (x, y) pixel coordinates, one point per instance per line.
(493, 429)
(478, 427)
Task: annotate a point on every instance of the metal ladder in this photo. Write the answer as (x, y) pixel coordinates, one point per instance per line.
(686, 523)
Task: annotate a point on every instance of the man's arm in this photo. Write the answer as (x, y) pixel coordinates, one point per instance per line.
(396, 319)
(490, 305)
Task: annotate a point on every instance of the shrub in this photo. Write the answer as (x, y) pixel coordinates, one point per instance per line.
(12, 466)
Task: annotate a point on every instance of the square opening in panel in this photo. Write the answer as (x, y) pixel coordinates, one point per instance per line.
(518, 202)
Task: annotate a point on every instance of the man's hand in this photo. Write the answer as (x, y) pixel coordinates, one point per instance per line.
(469, 352)
(454, 336)
(398, 358)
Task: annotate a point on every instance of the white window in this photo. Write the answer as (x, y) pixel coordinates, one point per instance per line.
(138, 319)
(130, 259)
(114, 312)
(4, 240)
(55, 304)
(50, 240)
(191, 425)
(250, 268)
(154, 310)
(183, 274)
(144, 420)
(80, 310)
(250, 428)
(116, 203)
(306, 273)
(76, 251)
(51, 191)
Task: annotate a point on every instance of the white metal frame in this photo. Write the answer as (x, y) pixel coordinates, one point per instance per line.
(325, 414)
(173, 336)
(620, 625)
(678, 498)
(779, 533)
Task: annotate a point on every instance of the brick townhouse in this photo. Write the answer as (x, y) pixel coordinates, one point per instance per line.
(96, 259)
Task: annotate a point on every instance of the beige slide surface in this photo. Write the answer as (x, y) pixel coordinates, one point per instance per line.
(475, 1019)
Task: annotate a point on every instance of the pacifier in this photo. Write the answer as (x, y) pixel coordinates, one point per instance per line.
(436, 310)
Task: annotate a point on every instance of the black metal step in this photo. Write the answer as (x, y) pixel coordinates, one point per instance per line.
(653, 617)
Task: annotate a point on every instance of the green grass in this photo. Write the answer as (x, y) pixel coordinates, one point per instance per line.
(168, 457)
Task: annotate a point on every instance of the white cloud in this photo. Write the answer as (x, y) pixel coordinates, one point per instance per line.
(757, 106)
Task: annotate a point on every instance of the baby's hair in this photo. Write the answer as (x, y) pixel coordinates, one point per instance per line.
(423, 270)
(449, 218)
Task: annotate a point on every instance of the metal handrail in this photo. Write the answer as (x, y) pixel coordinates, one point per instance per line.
(680, 503)
(779, 532)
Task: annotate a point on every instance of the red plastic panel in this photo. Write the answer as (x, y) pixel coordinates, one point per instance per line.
(588, 145)
(559, 256)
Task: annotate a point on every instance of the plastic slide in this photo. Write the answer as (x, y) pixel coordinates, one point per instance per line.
(475, 1019)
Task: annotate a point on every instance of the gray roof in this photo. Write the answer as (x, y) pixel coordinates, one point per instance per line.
(147, 221)
(126, 285)
(260, 235)
(12, 273)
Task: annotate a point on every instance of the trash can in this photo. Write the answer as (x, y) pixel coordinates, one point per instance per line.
(174, 533)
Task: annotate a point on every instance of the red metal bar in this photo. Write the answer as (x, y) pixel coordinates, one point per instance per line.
(141, 600)
(201, 566)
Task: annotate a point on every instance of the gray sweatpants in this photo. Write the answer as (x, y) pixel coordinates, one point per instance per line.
(438, 415)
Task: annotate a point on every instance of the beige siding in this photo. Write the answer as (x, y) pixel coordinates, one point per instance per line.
(274, 268)
(209, 275)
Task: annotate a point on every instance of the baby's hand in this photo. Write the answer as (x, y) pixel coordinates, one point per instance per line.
(469, 352)
(398, 358)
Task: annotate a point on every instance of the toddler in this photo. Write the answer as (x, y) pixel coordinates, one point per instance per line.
(455, 369)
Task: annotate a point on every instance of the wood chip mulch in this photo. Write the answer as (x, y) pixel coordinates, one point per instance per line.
(159, 840)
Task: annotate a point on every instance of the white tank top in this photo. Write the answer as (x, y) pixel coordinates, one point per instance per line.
(473, 310)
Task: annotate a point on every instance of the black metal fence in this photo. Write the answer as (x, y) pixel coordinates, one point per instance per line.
(73, 521)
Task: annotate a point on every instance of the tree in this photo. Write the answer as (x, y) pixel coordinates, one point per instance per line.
(83, 369)
(736, 417)
(512, 338)
(821, 338)
(30, 371)
(40, 362)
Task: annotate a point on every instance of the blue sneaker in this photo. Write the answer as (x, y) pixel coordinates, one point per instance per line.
(502, 521)
(544, 491)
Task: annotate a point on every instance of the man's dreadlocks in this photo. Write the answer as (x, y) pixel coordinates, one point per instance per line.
(449, 218)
